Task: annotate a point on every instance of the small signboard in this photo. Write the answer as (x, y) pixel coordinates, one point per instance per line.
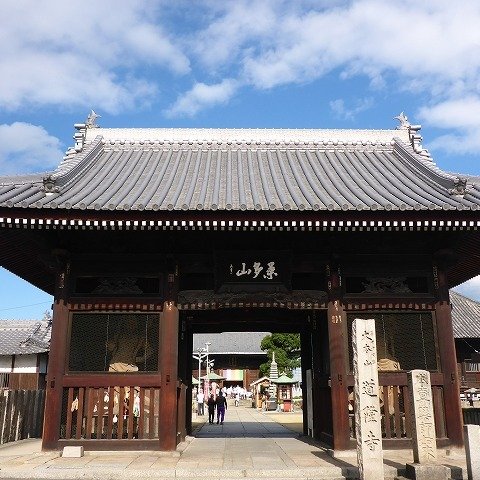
(238, 271)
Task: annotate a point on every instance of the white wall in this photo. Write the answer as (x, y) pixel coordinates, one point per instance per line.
(5, 363)
(25, 364)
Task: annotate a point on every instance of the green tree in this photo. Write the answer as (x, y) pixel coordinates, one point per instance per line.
(287, 352)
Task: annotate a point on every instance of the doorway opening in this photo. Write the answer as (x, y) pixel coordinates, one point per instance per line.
(223, 352)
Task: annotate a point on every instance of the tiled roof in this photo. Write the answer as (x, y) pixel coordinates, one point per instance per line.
(244, 169)
(230, 342)
(24, 337)
(465, 316)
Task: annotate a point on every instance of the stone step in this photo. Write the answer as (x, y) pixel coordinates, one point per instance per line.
(307, 473)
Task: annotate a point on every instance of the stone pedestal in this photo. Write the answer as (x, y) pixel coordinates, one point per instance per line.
(423, 422)
(417, 471)
(472, 450)
(367, 404)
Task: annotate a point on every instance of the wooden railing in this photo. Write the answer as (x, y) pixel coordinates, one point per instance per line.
(111, 407)
(395, 409)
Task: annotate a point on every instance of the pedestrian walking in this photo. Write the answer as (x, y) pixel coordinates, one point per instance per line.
(221, 403)
(200, 401)
(211, 409)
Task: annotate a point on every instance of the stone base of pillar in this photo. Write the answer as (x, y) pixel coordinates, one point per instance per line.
(420, 471)
(72, 452)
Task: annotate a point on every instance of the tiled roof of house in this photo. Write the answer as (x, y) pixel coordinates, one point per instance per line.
(465, 316)
(231, 342)
(243, 169)
(24, 337)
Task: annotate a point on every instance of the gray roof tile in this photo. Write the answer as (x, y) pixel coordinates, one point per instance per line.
(24, 337)
(181, 169)
(230, 342)
(465, 316)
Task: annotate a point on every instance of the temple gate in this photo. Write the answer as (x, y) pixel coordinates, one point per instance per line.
(146, 236)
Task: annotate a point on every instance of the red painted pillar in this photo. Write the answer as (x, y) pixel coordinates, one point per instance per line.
(56, 362)
(338, 342)
(168, 358)
(448, 359)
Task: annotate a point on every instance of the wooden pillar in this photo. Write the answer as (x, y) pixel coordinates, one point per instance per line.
(56, 361)
(306, 343)
(337, 335)
(168, 364)
(188, 373)
(448, 359)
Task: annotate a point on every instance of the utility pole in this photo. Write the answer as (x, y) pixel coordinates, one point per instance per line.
(200, 356)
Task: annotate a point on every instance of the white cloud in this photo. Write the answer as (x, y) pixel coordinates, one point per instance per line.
(470, 289)
(93, 56)
(113, 55)
(437, 39)
(430, 48)
(26, 148)
(341, 111)
(233, 31)
(458, 114)
(202, 96)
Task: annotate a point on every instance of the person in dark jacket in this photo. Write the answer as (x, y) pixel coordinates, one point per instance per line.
(211, 409)
(221, 403)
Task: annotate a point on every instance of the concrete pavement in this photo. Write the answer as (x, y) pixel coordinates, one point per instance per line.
(250, 444)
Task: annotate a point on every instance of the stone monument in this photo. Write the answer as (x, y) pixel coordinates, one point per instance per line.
(472, 450)
(423, 422)
(368, 426)
(423, 429)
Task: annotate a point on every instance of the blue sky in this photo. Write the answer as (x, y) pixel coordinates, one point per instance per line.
(302, 64)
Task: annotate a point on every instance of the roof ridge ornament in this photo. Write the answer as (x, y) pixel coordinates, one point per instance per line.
(415, 137)
(90, 122)
(81, 133)
(459, 187)
(49, 186)
(404, 123)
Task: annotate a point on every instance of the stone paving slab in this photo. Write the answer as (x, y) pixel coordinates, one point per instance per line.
(244, 447)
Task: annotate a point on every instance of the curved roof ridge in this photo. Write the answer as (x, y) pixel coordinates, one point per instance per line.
(426, 165)
(68, 168)
(72, 165)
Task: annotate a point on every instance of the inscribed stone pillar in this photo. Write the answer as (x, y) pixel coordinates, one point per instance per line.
(472, 450)
(423, 421)
(367, 404)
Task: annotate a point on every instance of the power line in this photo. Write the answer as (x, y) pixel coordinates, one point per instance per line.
(23, 306)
